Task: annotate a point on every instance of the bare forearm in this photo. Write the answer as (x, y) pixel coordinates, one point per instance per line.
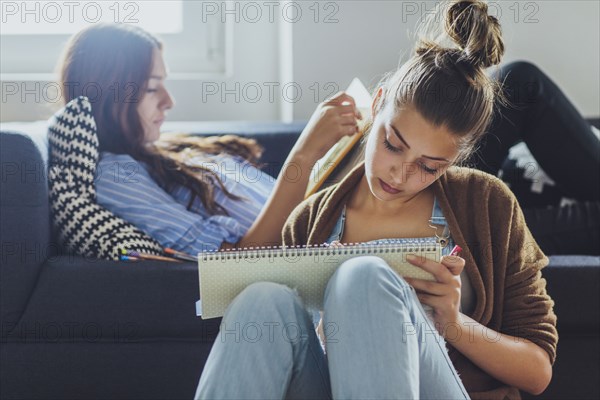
(333, 119)
(288, 192)
(512, 360)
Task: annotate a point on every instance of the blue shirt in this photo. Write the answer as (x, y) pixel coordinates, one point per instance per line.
(437, 218)
(124, 186)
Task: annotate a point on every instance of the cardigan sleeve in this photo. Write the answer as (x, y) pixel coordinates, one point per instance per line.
(528, 309)
(295, 229)
(302, 220)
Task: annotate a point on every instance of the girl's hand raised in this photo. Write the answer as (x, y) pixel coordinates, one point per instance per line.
(443, 295)
(332, 120)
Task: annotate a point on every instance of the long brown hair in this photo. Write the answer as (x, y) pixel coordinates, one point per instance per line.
(111, 65)
(446, 82)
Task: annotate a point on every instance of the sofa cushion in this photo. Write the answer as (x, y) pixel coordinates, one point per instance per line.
(79, 299)
(573, 282)
(83, 226)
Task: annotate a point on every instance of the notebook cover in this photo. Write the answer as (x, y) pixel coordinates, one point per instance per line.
(224, 274)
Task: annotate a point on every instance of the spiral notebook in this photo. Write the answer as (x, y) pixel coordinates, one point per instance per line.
(224, 274)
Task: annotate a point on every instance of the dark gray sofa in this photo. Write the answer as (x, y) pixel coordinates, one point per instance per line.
(75, 328)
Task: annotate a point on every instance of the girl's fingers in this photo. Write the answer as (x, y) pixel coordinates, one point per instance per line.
(438, 270)
(455, 264)
(348, 119)
(429, 299)
(340, 98)
(348, 109)
(434, 288)
(344, 104)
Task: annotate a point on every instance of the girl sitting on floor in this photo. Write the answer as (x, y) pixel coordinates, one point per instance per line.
(489, 306)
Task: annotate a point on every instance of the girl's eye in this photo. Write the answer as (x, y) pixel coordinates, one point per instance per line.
(389, 146)
(393, 149)
(429, 170)
(151, 90)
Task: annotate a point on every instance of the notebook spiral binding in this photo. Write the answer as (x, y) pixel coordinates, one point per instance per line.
(406, 245)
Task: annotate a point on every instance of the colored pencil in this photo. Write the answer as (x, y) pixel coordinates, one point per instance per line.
(145, 256)
(128, 258)
(180, 255)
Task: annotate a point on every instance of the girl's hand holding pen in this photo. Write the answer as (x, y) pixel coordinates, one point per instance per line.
(444, 294)
(332, 120)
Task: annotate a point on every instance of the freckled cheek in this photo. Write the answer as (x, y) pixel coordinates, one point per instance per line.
(415, 179)
(423, 179)
(143, 112)
(148, 119)
(383, 157)
(147, 108)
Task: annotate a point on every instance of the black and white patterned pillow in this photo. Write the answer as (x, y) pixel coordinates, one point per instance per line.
(84, 227)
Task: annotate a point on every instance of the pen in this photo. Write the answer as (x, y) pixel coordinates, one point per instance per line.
(144, 256)
(455, 250)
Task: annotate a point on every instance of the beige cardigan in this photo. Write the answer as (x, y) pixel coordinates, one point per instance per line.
(503, 260)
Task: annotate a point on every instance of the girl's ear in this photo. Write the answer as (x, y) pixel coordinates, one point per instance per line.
(376, 105)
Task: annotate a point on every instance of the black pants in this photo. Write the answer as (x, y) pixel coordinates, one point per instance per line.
(561, 141)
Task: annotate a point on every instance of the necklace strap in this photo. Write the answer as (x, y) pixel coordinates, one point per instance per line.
(444, 238)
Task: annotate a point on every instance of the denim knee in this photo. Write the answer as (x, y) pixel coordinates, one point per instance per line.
(360, 272)
(266, 311)
(267, 298)
(260, 294)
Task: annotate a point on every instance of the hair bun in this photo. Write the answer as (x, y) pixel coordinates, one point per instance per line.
(476, 33)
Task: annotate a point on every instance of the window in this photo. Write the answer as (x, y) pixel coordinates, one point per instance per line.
(34, 33)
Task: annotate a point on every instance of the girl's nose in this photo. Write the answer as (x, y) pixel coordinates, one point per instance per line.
(168, 101)
(402, 173)
(397, 175)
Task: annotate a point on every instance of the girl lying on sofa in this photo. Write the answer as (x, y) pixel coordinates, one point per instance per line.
(176, 188)
(489, 306)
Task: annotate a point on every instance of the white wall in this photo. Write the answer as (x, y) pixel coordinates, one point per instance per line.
(368, 39)
(371, 36)
(255, 64)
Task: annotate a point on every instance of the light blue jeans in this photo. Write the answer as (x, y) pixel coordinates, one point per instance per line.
(380, 344)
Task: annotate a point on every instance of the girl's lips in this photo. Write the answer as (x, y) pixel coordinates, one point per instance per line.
(388, 188)
(159, 121)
